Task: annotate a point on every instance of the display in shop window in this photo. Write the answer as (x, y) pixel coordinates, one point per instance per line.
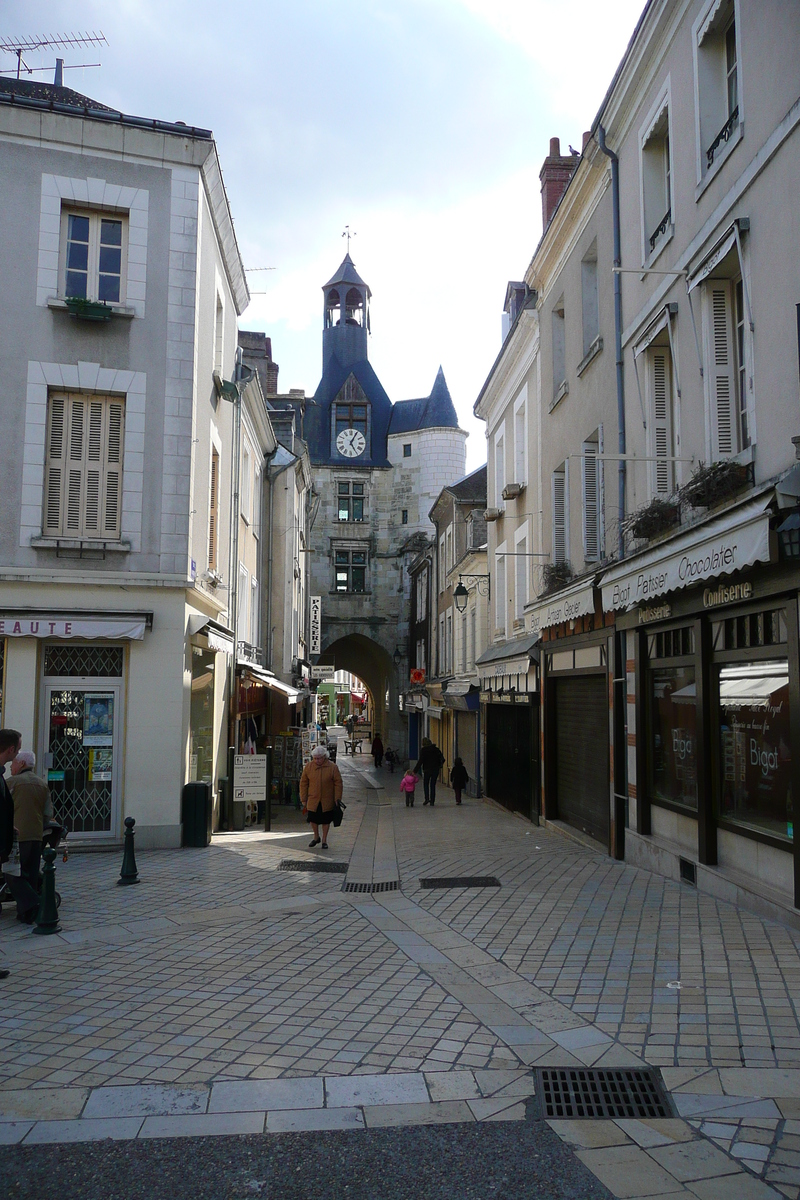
(98, 719)
(673, 736)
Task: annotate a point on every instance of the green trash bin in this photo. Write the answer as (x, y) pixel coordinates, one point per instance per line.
(196, 814)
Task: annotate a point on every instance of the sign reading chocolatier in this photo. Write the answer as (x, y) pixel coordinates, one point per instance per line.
(736, 540)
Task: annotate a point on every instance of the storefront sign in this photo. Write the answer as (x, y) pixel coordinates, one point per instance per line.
(505, 666)
(660, 612)
(45, 626)
(316, 625)
(724, 546)
(712, 597)
(250, 777)
(326, 673)
(566, 607)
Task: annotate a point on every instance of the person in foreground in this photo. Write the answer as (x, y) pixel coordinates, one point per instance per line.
(10, 742)
(430, 763)
(31, 807)
(320, 792)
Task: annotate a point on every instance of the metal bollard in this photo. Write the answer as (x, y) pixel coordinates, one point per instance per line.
(128, 874)
(47, 915)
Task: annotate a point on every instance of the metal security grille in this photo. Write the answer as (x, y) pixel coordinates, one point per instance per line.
(91, 662)
(461, 881)
(584, 1094)
(372, 887)
(324, 868)
(80, 801)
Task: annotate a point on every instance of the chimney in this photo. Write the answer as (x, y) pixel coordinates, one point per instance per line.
(58, 80)
(555, 174)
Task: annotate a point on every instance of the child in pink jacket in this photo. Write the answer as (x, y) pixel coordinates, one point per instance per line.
(407, 785)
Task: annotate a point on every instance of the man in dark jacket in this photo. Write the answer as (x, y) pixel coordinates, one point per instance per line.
(10, 742)
(31, 808)
(430, 764)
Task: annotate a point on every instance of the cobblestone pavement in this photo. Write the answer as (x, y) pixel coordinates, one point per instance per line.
(224, 994)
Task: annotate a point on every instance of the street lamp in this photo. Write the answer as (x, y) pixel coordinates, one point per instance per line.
(461, 595)
(789, 535)
(397, 657)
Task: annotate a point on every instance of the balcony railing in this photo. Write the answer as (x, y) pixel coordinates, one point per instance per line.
(252, 654)
(660, 228)
(723, 135)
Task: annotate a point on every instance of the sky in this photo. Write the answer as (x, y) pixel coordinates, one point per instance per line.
(420, 124)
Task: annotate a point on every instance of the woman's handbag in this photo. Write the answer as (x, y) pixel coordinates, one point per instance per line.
(338, 813)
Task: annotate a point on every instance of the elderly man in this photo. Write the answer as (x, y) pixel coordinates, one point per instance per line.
(31, 804)
(10, 741)
(320, 792)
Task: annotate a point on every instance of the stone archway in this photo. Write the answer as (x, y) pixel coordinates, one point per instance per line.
(373, 664)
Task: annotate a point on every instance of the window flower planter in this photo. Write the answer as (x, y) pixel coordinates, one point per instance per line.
(715, 483)
(88, 310)
(556, 575)
(655, 518)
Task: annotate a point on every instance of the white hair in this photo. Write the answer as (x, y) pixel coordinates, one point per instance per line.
(27, 757)
(319, 751)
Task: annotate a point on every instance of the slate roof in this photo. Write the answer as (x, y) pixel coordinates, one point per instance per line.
(317, 428)
(28, 93)
(347, 273)
(471, 487)
(432, 411)
(48, 91)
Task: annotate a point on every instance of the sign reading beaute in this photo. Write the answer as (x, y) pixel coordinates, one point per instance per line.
(51, 627)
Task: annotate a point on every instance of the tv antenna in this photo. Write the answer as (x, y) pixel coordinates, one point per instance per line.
(252, 271)
(29, 45)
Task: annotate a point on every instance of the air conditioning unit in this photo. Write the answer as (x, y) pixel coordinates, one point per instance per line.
(512, 490)
(493, 514)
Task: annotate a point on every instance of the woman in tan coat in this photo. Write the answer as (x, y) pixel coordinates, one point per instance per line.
(320, 792)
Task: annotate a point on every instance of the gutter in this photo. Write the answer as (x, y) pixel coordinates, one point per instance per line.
(601, 141)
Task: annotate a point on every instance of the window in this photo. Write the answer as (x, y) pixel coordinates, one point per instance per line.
(672, 724)
(404, 516)
(419, 661)
(473, 644)
(499, 469)
(464, 650)
(242, 630)
(219, 330)
(351, 416)
(350, 497)
(422, 595)
(730, 405)
(83, 469)
(521, 578)
(247, 497)
(449, 645)
(500, 593)
(441, 654)
(442, 567)
(407, 450)
(592, 488)
(254, 613)
(755, 746)
(213, 512)
(448, 542)
(559, 350)
(561, 513)
(589, 300)
(717, 83)
(94, 256)
(741, 372)
(351, 570)
(520, 471)
(659, 389)
(656, 168)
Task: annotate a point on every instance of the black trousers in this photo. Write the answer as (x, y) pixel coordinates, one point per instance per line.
(25, 886)
(429, 784)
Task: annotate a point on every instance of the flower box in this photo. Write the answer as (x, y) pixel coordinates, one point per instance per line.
(88, 310)
(715, 483)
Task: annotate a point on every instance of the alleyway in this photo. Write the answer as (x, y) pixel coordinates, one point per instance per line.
(224, 992)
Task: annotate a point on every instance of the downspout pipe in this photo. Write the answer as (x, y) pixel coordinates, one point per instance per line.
(601, 141)
(271, 539)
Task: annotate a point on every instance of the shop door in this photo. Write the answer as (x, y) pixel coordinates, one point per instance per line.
(508, 756)
(83, 755)
(467, 744)
(581, 735)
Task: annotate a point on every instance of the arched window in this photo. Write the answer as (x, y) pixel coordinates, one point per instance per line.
(354, 307)
(332, 309)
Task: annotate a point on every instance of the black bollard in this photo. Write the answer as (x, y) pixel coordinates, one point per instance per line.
(128, 874)
(47, 916)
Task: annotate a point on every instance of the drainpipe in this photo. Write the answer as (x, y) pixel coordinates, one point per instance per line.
(601, 141)
(270, 527)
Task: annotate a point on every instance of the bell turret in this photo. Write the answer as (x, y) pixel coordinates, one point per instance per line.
(346, 316)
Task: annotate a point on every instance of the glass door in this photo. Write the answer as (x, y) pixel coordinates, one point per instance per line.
(83, 755)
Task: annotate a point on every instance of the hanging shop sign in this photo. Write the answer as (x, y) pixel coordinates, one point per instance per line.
(734, 541)
(323, 673)
(46, 626)
(316, 625)
(567, 606)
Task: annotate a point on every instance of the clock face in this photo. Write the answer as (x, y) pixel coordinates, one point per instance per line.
(351, 443)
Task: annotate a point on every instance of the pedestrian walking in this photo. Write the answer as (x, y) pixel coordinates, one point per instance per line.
(377, 749)
(430, 763)
(320, 792)
(459, 778)
(31, 797)
(407, 784)
(10, 742)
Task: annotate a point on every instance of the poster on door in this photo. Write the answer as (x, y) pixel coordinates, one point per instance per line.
(100, 765)
(98, 719)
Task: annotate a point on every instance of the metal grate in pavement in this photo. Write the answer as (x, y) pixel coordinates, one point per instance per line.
(372, 887)
(584, 1094)
(323, 866)
(460, 881)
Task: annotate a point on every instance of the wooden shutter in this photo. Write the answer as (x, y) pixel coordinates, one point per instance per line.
(113, 468)
(559, 515)
(661, 387)
(75, 448)
(591, 504)
(721, 382)
(213, 515)
(94, 466)
(54, 469)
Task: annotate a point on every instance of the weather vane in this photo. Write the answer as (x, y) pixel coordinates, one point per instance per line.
(348, 235)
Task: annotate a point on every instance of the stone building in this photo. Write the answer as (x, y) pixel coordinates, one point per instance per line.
(378, 468)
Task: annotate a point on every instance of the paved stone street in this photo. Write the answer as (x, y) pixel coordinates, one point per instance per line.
(225, 995)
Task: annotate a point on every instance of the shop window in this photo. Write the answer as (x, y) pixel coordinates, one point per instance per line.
(752, 629)
(672, 643)
(672, 734)
(755, 756)
(351, 570)
(201, 717)
(350, 498)
(94, 254)
(83, 471)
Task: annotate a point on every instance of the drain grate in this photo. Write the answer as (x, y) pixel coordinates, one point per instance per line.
(460, 881)
(324, 867)
(372, 887)
(567, 1092)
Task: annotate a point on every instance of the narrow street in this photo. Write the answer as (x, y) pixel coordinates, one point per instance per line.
(399, 1025)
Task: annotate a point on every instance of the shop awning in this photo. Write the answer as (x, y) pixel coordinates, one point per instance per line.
(509, 658)
(737, 539)
(269, 680)
(567, 605)
(219, 638)
(92, 625)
